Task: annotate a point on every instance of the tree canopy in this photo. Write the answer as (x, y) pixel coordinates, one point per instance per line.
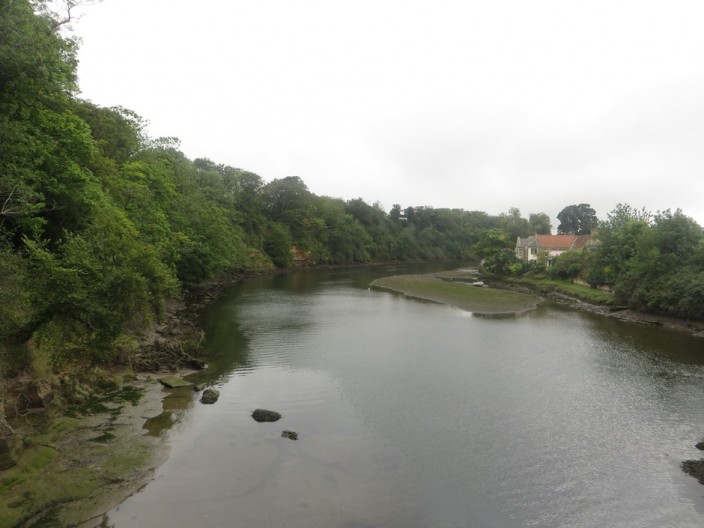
(577, 219)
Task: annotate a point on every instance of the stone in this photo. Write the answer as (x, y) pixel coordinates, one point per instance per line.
(700, 445)
(291, 435)
(694, 468)
(210, 396)
(174, 382)
(195, 364)
(264, 415)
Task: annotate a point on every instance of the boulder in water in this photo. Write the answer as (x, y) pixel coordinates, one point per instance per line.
(210, 396)
(264, 415)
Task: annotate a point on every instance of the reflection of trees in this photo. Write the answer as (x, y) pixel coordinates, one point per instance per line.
(174, 407)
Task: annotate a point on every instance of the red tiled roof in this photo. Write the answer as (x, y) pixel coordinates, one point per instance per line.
(556, 241)
(581, 241)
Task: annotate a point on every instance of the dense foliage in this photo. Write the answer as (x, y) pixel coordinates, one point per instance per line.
(651, 262)
(100, 225)
(577, 219)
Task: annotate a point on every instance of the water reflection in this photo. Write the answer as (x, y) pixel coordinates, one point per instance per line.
(412, 415)
(175, 405)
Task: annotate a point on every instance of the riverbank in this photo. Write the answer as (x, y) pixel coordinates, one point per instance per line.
(569, 297)
(454, 288)
(82, 444)
(86, 461)
(457, 288)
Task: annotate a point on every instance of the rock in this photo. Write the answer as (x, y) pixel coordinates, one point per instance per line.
(694, 468)
(210, 396)
(292, 435)
(174, 382)
(195, 364)
(264, 415)
(700, 445)
(199, 386)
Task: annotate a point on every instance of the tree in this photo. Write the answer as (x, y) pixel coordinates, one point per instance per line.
(540, 222)
(496, 250)
(45, 147)
(119, 132)
(281, 196)
(577, 219)
(514, 225)
(618, 238)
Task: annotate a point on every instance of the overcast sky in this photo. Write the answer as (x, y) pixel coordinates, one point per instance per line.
(480, 105)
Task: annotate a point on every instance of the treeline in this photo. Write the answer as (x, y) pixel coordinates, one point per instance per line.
(100, 225)
(652, 262)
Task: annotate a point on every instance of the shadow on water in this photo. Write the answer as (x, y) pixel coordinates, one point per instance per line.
(652, 343)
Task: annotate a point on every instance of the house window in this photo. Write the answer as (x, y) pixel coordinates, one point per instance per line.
(533, 251)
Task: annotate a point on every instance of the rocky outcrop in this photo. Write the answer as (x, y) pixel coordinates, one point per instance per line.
(291, 435)
(265, 415)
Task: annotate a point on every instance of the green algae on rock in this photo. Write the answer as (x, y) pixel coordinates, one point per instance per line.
(174, 382)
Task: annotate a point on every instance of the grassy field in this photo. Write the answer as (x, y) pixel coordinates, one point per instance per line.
(460, 294)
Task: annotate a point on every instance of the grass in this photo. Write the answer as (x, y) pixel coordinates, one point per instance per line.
(579, 291)
(458, 293)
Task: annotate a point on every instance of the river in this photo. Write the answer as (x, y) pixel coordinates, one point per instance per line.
(413, 414)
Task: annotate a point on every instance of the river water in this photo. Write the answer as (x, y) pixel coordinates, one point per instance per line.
(415, 414)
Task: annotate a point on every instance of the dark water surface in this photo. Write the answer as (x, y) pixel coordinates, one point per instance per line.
(414, 414)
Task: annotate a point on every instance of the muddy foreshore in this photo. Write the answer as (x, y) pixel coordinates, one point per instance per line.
(81, 447)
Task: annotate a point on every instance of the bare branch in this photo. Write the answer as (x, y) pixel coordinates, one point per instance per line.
(5, 210)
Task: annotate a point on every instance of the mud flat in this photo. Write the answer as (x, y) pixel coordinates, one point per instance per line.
(86, 461)
(458, 289)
